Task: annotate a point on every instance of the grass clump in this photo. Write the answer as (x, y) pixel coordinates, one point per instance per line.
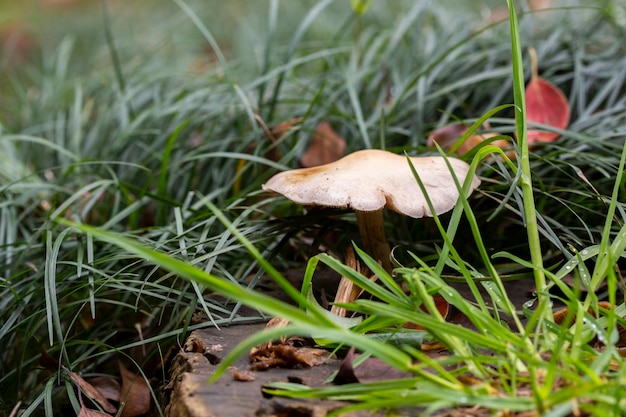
(130, 176)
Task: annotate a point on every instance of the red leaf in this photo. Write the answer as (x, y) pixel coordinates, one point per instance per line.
(545, 104)
(442, 306)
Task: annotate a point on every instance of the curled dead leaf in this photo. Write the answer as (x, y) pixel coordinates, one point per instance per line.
(108, 386)
(93, 393)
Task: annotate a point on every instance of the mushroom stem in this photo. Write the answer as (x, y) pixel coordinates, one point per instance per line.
(372, 230)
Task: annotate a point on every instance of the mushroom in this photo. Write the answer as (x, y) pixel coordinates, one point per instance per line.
(367, 181)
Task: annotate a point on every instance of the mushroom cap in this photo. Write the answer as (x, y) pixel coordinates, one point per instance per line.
(369, 180)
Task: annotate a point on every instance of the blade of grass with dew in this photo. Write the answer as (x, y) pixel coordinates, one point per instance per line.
(530, 217)
(603, 264)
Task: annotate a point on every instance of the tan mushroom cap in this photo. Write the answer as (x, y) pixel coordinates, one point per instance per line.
(369, 180)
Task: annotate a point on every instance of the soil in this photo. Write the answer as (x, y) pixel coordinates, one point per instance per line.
(187, 393)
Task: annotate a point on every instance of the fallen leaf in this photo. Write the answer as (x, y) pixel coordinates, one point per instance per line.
(476, 140)
(108, 386)
(93, 393)
(564, 316)
(560, 315)
(50, 363)
(47, 361)
(326, 146)
(545, 104)
(280, 129)
(134, 395)
(87, 412)
(442, 306)
(448, 136)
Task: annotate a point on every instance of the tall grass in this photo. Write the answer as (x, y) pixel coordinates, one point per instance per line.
(159, 167)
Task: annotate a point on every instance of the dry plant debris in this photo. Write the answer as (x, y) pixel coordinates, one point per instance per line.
(292, 352)
(133, 394)
(326, 146)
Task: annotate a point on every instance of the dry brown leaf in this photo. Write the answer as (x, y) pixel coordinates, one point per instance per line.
(448, 136)
(97, 395)
(476, 140)
(134, 395)
(108, 386)
(47, 361)
(88, 412)
(93, 393)
(326, 146)
(280, 129)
